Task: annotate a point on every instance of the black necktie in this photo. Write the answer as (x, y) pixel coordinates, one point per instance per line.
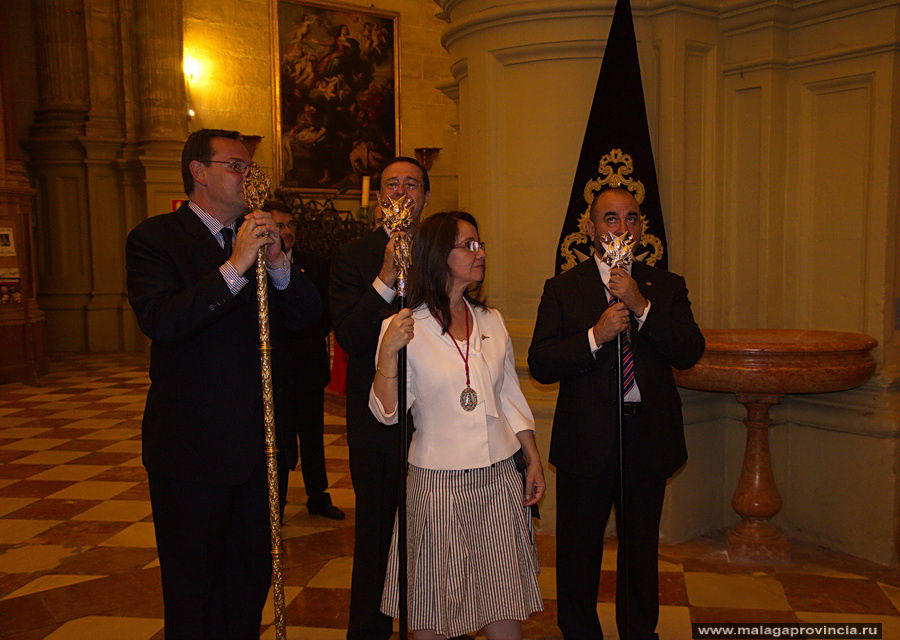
(226, 240)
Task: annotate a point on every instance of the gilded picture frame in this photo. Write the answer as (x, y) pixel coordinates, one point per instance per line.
(336, 105)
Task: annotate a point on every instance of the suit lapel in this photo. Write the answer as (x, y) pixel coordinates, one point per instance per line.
(644, 277)
(207, 252)
(377, 241)
(207, 246)
(591, 289)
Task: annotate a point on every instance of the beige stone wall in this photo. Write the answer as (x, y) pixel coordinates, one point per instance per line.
(775, 135)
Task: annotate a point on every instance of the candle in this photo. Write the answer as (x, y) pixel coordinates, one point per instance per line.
(365, 192)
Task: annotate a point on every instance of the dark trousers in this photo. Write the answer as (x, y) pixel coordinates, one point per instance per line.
(214, 555)
(304, 409)
(376, 476)
(583, 507)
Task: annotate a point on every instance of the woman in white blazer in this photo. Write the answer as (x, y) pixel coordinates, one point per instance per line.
(472, 560)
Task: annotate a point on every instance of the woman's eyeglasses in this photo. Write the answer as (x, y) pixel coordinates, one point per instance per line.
(471, 245)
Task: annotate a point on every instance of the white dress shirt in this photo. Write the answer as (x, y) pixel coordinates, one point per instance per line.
(634, 394)
(446, 435)
(281, 277)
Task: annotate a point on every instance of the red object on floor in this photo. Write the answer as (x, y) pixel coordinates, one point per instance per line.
(338, 382)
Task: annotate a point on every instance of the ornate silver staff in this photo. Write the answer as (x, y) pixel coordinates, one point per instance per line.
(398, 218)
(618, 254)
(256, 188)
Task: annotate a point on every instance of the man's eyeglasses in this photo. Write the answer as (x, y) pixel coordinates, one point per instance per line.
(471, 245)
(290, 225)
(238, 166)
(393, 186)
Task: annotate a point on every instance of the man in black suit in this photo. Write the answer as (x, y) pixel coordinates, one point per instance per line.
(302, 371)
(362, 295)
(203, 436)
(574, 344)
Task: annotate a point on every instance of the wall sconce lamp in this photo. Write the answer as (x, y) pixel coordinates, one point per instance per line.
(192, 71)
(426, 156)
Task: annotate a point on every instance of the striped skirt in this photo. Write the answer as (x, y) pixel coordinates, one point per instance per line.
(471, 554)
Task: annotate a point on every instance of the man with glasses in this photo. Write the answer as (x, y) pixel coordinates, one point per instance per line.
(362, 294)
(189, 283)
(302, 372)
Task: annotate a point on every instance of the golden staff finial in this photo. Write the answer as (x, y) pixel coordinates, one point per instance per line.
(398, 218)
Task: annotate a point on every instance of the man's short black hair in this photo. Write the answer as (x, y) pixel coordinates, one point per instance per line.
(198, 147)
(425, 181)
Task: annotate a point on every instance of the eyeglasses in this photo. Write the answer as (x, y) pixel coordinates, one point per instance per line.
(393, 186)
(471, 245)
(238, 166)
(282, 225)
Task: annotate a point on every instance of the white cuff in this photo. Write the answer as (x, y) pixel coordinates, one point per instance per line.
(383, 290)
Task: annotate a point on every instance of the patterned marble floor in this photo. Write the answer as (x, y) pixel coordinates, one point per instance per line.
(77, 557)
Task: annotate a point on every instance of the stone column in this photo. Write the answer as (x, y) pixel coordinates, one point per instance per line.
(104, 150)
(57, 169)
(107, 310)
(158, 56)
(151, 162)
(62, 68)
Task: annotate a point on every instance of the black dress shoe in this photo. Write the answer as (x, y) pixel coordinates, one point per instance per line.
(329, 511)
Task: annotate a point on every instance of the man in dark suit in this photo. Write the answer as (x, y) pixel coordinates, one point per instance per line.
(302, 372)
(203, 436)
(580, 314)
(362, 295)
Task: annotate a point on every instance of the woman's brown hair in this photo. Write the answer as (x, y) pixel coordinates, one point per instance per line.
(433, 240)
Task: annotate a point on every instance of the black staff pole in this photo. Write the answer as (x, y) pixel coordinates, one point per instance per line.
(402, 578)
(620, 512)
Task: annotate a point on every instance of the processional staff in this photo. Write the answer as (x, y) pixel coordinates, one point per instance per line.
(256, 190)
(398, 218)
(618, 254)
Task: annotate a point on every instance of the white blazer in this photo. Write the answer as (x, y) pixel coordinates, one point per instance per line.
(446, 435)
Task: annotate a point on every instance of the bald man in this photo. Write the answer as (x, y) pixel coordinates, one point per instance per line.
(580, 314)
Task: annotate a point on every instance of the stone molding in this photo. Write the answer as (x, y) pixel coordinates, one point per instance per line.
(522, 12)
(799, 62)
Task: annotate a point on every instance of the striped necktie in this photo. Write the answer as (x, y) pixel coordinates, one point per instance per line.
(627, 357)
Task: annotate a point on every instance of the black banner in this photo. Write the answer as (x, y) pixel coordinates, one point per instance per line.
(616, 151)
